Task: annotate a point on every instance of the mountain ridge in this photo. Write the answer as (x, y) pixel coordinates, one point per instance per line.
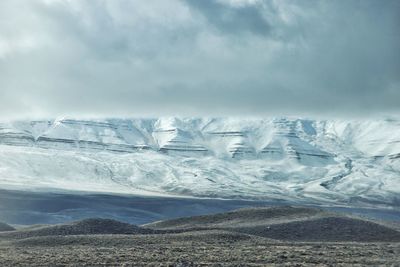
(327, 161)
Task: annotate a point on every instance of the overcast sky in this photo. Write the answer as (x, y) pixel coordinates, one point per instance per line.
(199, 57)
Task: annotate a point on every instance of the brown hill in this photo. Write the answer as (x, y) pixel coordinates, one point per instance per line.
(85, 227)
(286, 223)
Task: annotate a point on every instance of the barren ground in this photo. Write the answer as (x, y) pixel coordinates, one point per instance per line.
(238, 238)
(200, 248)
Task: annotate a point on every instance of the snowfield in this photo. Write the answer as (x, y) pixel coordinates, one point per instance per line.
(310, 161)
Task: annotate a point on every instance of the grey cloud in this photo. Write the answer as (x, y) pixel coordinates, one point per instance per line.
(232, 19)
(134, 58)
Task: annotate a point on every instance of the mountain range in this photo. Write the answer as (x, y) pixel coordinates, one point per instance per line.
(353, 162)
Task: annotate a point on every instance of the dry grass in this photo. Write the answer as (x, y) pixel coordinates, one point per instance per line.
(211, 248)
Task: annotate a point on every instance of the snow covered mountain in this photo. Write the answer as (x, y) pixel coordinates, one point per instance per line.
(314, 161)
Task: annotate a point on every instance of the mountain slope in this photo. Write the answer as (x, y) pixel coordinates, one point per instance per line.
(5, 227)
(314, 161)
(279, 223)
(286, 223)
(92, 226)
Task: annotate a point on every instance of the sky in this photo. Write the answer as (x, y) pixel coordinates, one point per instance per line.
(199, 58)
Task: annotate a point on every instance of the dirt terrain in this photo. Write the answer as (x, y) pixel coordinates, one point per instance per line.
(284, 236)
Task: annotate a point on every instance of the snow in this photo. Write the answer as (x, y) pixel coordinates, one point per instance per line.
(318, 161)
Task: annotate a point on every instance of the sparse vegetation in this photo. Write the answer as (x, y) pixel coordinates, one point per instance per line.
(85, 227)
(111, 243)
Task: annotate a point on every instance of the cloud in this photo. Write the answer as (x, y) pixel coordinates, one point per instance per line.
(230, 18)
(187, 57)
